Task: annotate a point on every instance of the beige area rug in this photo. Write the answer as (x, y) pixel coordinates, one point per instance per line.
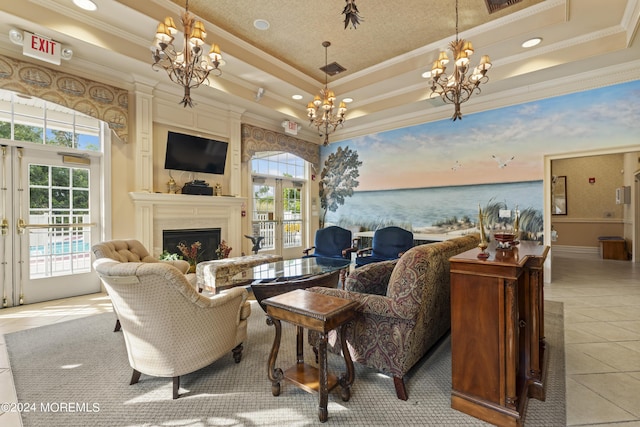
(76, 373)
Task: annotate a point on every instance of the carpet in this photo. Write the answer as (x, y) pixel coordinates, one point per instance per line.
(76, 373)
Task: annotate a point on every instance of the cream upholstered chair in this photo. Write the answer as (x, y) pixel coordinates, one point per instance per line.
(169, 328)
(130, 250)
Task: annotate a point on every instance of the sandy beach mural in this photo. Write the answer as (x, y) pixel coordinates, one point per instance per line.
(431, 177)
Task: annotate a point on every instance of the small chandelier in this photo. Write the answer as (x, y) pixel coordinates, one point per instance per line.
(189, 67)
(457, 87)
(322, 112)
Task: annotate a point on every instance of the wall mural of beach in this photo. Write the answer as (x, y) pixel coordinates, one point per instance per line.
(431, 178)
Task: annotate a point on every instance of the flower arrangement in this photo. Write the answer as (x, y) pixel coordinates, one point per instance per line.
(223, 250)
(190, 253)
(166, 256)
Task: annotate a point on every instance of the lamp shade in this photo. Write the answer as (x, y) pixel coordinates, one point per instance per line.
(171, 26)
(485, 63)
(443, 58)
(468, 48)
(163, 34)
(196, 39)
(462, 59)
(214, 53)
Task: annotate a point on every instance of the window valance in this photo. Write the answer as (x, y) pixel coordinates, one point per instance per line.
(255, 140)
(107, 103)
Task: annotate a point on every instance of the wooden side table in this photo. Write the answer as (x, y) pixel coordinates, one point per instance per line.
(320, 313)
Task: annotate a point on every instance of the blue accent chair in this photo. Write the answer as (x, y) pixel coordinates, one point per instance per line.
(388, 243)
(331, 242)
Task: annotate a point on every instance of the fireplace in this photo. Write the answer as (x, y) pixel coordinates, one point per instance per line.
(155, 213)
(208, 237)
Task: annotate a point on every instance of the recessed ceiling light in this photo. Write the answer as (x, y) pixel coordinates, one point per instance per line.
(86, 4)
(297, 97)
(347, 100)
(532, 42)
(426, 75)
(261, 24)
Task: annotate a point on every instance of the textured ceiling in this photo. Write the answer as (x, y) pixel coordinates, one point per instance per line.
(586, 44)
(388, 29)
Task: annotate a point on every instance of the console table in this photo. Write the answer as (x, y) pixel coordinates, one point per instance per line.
(320, 313)
(497, 332)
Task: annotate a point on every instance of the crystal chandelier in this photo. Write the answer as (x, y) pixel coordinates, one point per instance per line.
(189, 67)
(322, 112)
(458, 87)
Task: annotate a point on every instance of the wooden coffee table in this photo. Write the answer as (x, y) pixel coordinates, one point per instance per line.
(320, 313)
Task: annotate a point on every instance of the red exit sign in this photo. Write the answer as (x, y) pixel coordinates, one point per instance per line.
(43, 48)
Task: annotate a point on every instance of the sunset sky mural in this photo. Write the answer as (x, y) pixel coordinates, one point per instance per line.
(448, 153)
(422, 175)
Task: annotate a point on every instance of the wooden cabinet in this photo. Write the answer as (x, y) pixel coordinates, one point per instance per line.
(497, 332)
(613, 248)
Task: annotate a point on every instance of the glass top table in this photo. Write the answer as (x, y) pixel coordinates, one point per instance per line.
(268, 280)
(291, 269)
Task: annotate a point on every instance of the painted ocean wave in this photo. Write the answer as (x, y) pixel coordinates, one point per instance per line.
(424, 207)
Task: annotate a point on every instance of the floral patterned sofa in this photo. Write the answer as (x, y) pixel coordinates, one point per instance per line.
(404, 308)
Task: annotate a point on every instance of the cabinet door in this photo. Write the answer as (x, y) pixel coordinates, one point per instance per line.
(477, 337)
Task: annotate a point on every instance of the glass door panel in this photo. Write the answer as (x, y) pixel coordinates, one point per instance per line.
(264, 214)
(53, 213)
(277, 216)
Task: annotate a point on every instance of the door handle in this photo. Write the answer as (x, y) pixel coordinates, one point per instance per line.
(4, 227)
(22, 226)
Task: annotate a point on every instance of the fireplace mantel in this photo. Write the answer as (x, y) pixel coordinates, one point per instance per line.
(155, 212)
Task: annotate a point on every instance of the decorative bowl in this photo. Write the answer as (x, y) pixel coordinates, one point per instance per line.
(505, 239)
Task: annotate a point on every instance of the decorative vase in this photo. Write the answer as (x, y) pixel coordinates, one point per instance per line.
(192, 268)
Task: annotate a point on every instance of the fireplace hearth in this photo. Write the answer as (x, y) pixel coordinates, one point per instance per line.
(155, 212)
(208, 237)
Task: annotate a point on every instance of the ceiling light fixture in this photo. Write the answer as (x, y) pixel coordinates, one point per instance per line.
(351, 14)
(86, 5)
(322, 111)
(532, 42)
(457, 87)
(189, 67)
(261, 24)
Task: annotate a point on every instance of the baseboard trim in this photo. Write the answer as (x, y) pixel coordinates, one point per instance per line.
(586, 252)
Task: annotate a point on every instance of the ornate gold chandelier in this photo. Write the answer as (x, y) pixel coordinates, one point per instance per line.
(189, 67)
(458, 87)
(322, 111)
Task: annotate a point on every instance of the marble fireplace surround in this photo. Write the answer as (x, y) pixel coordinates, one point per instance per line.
(155, 212)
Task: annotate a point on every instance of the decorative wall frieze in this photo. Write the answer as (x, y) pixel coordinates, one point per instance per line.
(107, 103)
(255, 140)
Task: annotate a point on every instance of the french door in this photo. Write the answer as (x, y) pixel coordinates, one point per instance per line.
(50, 219)
(278, 216)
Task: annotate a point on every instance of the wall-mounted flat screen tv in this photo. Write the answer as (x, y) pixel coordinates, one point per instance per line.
(195, 154)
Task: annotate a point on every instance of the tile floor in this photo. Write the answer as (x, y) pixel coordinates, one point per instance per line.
(602, 338)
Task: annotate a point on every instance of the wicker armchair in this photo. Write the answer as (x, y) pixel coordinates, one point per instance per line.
(404, 308)
(169, 328)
